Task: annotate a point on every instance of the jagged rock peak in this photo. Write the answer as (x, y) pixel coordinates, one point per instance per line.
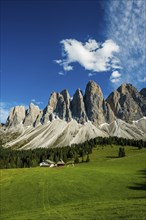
(65, 94)
(58, 106)
(53, 100)
(32, 107)
(93, 87)
(127, 103)
(127, 88)
(67, 100)
(16, 116)
(50, 108)
(94, 103)
(78, 107)
(108, 113)
(98, 111)
(31, 115)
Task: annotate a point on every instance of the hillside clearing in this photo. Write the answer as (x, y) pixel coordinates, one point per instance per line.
(105, 188)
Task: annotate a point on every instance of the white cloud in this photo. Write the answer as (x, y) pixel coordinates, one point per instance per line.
(115, 80)
(91, 55)
(91, 45)
(116, 74)
(126, 27)
(115, 77)
(36, 102)
(65, 65)
(61, 73)
(67, 68)
(39, 102)
(142, 80)
(91, 74)
(58, 61)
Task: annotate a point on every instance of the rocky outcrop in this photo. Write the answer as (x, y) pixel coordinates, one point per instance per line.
(143, 93)
(38, 119)
(64, 121)
(48, 111)
(93, 103)
(58, 106)
(108, 113)
(78, 107)
(31, 115)
(67, 100)
(16, 116)
(98, 111)
(127, 103)
(59, 133)
(120, 128)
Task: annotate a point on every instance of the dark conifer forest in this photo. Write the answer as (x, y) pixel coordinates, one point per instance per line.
(31, 158)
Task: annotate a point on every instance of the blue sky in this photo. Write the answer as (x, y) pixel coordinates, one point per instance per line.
(49, 45)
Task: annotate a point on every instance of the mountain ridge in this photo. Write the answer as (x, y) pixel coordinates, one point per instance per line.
(65, 120)
(125, 103)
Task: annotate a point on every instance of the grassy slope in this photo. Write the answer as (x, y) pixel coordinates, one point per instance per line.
(106, 188)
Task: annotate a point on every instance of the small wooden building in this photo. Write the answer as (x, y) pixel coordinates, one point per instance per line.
(60, 163)
(47, 163)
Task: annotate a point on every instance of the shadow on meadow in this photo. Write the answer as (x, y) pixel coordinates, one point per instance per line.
(112, 157)
(140, 186)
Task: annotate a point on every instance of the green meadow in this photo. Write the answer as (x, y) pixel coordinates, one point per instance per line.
(106, 188)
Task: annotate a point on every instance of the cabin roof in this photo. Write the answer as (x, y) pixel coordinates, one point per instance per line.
(49, 161)
(60, 162)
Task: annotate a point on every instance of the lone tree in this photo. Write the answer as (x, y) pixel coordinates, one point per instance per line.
(87, 159)
(121, 152)
(76, 160)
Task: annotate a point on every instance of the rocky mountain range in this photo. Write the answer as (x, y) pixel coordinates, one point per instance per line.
(67, 120)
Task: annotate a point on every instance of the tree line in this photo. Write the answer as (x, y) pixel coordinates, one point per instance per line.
(76, 152)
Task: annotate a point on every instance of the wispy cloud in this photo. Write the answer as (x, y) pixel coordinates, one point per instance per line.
(91, 74)
(36, 102)
(67, 67)
(142, 80)
(127, 27)
(115, 77)
(61, 73)
(93, 56)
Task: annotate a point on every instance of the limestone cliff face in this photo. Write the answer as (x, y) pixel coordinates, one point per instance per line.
(67, 100)
(108, 113)
(48, 111)
(78, 107)
(31, 115)
(38, 119)
(16, 116)
(98, 111)
(72, 121)
(127, 103)
(58, 106)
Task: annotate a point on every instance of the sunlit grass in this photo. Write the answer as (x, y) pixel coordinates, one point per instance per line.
(105, 188)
